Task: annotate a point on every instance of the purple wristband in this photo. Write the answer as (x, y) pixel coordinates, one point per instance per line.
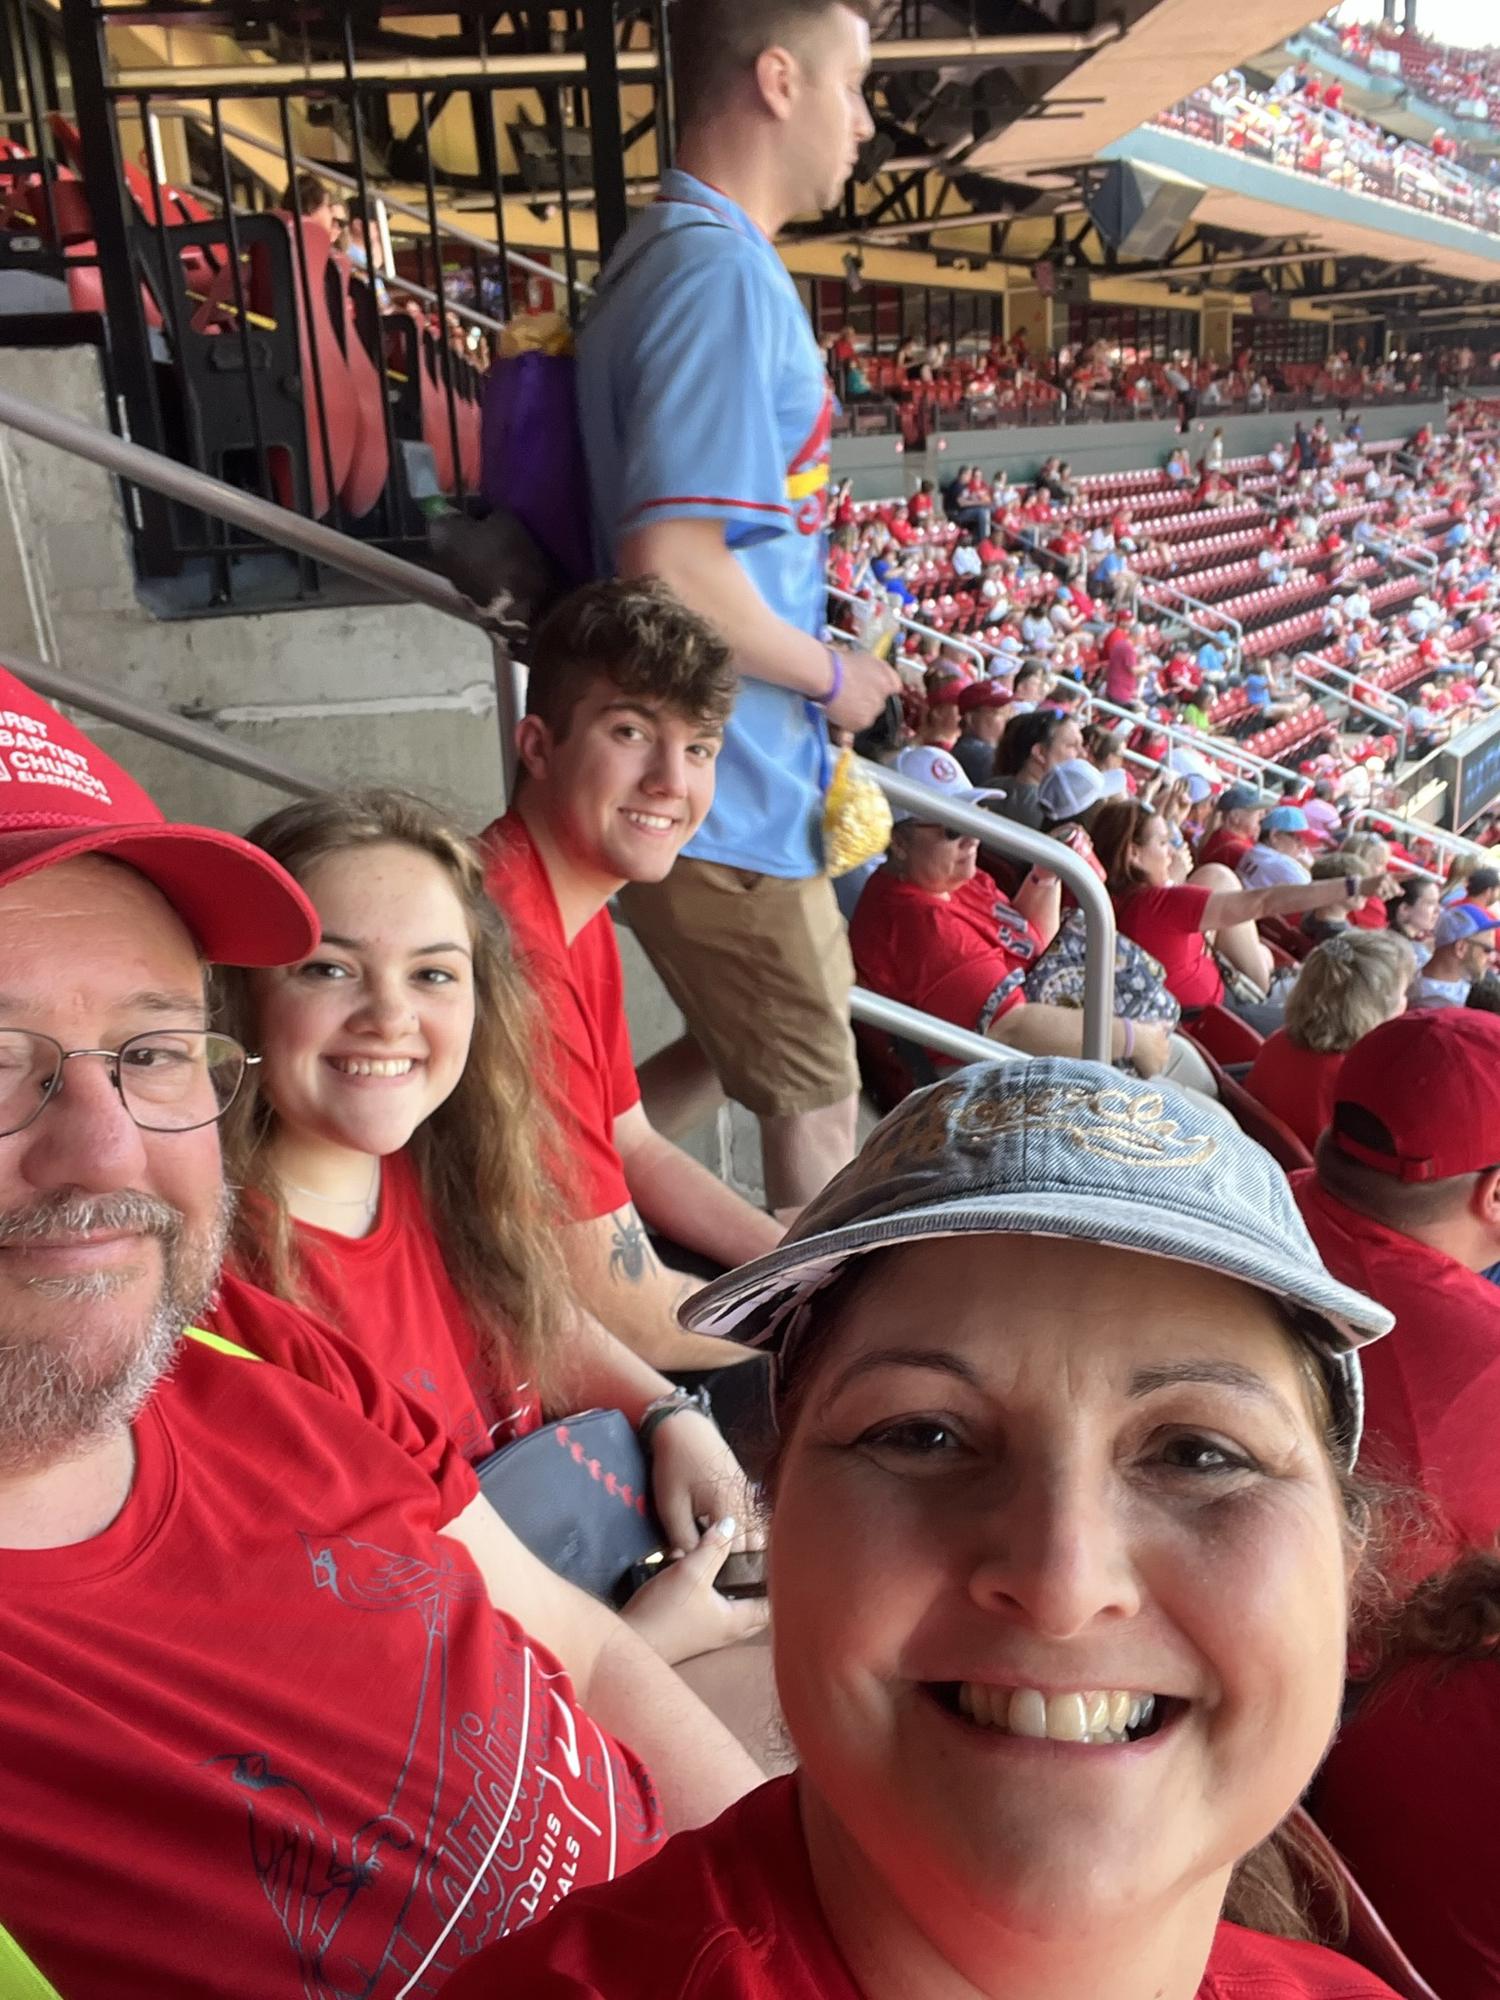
(1129, 1049)
(836, 661)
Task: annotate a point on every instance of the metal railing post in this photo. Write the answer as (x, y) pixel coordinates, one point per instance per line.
(1020, 842)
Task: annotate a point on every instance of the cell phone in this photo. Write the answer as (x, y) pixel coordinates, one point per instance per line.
(743, 1575)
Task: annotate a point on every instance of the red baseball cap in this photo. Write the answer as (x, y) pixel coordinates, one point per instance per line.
(61, 796)
(1432, 1078)
(983, 694)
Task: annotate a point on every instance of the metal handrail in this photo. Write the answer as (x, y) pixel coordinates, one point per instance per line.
(1345, 674)
(392, 573)
(260, 517)
(1438, 835)
(163, 726)
(1349, 700)
(926, 1030)
(913, 625)
(1211, 747)
(1222, 623)
(1042, 851)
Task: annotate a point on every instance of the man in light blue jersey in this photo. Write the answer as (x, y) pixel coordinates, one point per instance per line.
(706, 416)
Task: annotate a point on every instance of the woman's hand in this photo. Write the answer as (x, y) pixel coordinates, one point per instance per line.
(695, 1478)
(679, 1614)
(1153, 1048)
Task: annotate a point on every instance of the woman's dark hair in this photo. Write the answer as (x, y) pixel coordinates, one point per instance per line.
(1023, 734)
(1453, 1616)
(1412, 891)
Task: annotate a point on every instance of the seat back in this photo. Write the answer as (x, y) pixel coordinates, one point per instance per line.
(1223, 1035)
(1325, 1879)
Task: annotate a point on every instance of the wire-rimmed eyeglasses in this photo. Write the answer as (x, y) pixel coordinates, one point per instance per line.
(169, 1079)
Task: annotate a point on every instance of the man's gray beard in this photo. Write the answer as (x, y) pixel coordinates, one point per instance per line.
(53, 1403)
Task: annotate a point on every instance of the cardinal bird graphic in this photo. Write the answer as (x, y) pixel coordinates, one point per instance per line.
(316, 1879)
(807, 475)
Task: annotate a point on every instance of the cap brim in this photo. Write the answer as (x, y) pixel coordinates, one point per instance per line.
(241, 906)
(759, 1304)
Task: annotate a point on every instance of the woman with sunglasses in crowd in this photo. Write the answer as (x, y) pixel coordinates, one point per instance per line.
(1060, 1591)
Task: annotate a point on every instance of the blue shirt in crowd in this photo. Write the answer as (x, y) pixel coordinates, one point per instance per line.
(702, 396)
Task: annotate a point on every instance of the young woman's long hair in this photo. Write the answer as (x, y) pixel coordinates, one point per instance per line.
(481, 1158)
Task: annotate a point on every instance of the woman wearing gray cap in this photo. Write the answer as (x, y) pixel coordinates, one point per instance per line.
(1063, 1538)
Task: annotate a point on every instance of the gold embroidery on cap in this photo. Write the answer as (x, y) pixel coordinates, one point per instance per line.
(1111, 1124)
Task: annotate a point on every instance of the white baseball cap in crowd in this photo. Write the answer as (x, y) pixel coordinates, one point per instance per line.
(932, 766)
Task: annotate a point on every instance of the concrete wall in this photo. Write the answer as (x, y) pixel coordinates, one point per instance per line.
(1118, 447)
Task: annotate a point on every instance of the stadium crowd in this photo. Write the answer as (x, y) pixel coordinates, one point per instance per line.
(984, 1567)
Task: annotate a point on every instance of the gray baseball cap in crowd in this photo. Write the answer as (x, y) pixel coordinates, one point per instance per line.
(1242, 797)
(1056, 1147)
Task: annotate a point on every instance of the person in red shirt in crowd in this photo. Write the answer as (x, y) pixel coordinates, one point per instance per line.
(1403, 1795)
(616, 772)
(919, 507)
(391, 1148)
(1345, 987)
(275, 1681)
(1235, 827)
(932, 930)
(1058, 1590)
(1174, 921)
(1122, 671)
(1181, 675)
(1405, 1202)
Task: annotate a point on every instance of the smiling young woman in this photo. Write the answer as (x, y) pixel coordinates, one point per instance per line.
(398, 1172)
(1068, 1410)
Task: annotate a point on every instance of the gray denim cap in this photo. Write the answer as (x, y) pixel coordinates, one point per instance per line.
(1054, 1147)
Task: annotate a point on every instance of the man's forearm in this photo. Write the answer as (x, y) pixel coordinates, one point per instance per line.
(620, 1279)
(697, 1766)
(682, 1200)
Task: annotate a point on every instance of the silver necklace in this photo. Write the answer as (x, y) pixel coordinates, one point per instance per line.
(364, 1201)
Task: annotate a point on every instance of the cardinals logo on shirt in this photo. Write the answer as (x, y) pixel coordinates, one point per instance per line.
(807, 475)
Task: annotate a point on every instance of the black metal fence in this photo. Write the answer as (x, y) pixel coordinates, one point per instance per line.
(332, 358)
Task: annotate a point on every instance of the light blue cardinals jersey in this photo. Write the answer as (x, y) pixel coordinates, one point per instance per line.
(702, 396)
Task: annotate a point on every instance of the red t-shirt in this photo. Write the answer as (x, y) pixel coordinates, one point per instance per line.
(1122, 676)
(730, 1912)
(1432, 1386)
(391, 1294)
(1166, 923)
(591, 1078)
(1403, 1799)
(963, 959)
(1226, 847)
(1297, 1084)
(266, 1735)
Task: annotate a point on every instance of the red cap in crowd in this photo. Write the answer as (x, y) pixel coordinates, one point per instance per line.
(61, 796)
(983, 694)
(1432, 1078)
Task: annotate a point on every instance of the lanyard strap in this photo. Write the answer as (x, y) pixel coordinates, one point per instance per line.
(19, 1978)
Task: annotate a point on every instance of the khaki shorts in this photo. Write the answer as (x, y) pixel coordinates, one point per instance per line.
(760, 968)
